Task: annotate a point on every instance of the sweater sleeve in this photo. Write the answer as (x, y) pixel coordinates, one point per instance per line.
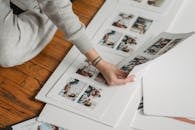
(61, 14)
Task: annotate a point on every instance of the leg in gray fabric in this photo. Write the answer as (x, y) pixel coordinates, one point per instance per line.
(22, 36)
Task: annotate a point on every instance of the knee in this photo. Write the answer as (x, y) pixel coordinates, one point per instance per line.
(8, 57)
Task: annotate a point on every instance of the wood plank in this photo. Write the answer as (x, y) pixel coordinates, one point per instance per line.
(20, 84)
(16, 103)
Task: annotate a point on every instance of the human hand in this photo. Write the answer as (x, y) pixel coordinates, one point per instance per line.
(112, 74)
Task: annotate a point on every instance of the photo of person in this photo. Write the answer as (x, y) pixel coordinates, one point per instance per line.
(100, 78)
(131, 64)
(157, 46)
(45, 126)
(72, 89)
(139, 1)
(156, 3)
(87, 70)
(90, 97)
(111, 38)
(141, 25)
(171, 45)
(123, 20)
(127, 44)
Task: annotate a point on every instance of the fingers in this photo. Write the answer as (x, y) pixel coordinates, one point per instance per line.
(121, 81)
(121, 74)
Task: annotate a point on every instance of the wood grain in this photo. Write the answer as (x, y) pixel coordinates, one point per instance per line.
(20, 84)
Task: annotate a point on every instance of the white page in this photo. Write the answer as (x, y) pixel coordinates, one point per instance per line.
(71, 121)
(100, 22)
(169, 83)
(145, 122)
(184, 21)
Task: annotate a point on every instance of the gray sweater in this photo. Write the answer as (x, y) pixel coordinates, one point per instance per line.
(22, 37)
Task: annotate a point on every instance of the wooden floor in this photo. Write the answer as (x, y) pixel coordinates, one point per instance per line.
(20, 84)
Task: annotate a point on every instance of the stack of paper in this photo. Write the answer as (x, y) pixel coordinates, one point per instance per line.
(126, 33)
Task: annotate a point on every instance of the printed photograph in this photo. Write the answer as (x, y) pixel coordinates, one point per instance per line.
(123, 20)
(139, 1)
(127, 44)
(131, 64)
(90, 97)
(72, 89)
(87, 70)
(110, 39)
(171, 45)
(100, 79)
(45, 126)
(157, 46)
(141, 25)
(156, 3)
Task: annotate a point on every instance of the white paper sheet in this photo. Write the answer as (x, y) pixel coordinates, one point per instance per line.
(169, 83)
(146, 122)
(72, 121)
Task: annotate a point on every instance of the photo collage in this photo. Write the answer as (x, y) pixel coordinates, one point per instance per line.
(148, 52)
(154, 3)
(82, 93)
(82, 90)
(126, 30)
(34, 124)
(158, 6)
(157, 47)
(87, 70)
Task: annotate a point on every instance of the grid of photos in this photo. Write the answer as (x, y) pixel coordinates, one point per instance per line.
(45, 126)
(155, 3)
(170, 46)
(157, 47)
(161, 46)
(125, 33)
(34, 124)
(128, 67)
(82, 93)
(90, 97)
(86, 69)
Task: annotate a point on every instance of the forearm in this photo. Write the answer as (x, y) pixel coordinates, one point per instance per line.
(61, 14)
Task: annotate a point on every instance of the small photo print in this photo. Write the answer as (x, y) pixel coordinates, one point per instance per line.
(123, 20)
(155, 3)
(100, 79)
(131, 64)
(72, 89)
(127, 44)
(45, 126)
(87, 70)
(157, 46)
(141, 25)
(171, 45)
(90, 97)
(111, 38)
